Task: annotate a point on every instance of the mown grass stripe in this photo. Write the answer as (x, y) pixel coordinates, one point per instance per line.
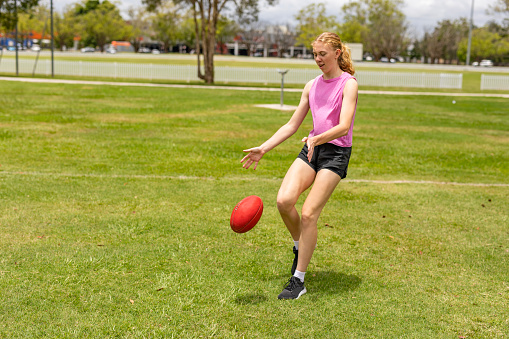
(186, 177)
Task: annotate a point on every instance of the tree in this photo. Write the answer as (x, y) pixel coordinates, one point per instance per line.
(385, 26)
(226, 31)
(66, 27)
(283, 38)
(35, 19)
(102, 23)
(443, 41)
(495, 27)
(501, 6)
(251, 34)
(9, 10)
(312, 21)
(206, 14)
(140, 25)
(485, 45)
(167, 24)
(352, 32)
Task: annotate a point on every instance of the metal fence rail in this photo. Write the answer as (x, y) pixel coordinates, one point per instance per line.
(225, 74)
(496, 82)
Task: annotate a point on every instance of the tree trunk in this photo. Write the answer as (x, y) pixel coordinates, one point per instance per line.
(208, 13)
(198, 33)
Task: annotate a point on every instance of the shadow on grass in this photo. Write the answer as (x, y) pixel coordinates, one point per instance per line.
(330, 282)
(250, 299)
(323, 282)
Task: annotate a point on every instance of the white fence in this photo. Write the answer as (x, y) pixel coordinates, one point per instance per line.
(496, 82)
(188, 73)
(400, 79)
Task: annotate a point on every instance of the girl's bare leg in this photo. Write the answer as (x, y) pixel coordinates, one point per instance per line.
(325, 183)
(299, 178)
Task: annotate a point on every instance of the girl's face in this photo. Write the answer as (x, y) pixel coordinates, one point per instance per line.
(325, 56)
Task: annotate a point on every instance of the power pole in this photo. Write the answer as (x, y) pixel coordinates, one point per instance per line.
(470, 33)
(16, 34)
(52, 41)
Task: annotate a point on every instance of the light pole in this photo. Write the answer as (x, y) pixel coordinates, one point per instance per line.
(16, 34)
(52, 41)
(470, 33)
(282, 72)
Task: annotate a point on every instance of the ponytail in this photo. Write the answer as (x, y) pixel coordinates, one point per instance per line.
(345, 58)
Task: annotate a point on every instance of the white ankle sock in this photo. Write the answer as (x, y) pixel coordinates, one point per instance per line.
(296, 244)
(300, 275)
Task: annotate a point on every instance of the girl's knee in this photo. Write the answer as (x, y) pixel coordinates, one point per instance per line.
(309, 216)
(285, 203)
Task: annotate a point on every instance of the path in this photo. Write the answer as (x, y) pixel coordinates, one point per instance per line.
(267, 89)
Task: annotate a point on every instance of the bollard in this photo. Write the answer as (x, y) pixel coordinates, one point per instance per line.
(282, 72)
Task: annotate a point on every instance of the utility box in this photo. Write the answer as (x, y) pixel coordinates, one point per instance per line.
(356, 51)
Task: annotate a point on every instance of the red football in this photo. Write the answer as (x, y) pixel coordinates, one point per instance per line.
(246, 214)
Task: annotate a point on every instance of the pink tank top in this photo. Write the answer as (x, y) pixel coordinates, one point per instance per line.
(325, 101)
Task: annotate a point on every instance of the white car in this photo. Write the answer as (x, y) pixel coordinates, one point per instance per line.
(486, 63)
(35, 48)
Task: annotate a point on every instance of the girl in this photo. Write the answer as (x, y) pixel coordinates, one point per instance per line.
(323, 161)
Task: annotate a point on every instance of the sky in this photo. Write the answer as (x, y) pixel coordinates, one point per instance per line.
(421, 14)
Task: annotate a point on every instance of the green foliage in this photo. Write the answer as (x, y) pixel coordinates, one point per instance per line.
(9, 10)
(485, 45)
(35, 19)
(101, 23)
(383, 25)
(206, 14)
(353, 31)
(66, 27)
(312, 21)
(167, 24)
(444, 40)
(226, 29)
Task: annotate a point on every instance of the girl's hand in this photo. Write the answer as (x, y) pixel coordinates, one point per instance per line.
(311, 146)
(254, 155)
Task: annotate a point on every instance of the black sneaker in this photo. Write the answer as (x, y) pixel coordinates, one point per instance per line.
(295, 259)
(294, 288)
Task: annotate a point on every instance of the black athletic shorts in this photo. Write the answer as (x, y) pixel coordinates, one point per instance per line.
(328, 156)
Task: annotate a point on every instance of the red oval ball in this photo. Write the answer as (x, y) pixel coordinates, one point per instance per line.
(246, 214)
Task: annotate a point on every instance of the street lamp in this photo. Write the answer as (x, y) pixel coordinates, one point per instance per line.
(16, 34)
(470, 33)
(52, 41)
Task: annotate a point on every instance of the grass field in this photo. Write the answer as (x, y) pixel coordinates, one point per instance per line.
(115, 203)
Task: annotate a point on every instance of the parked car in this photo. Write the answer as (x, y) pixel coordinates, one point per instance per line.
(111, 50)
(35, 48)
(156, 51)
(486, 63)
(88, 50)
(144, 50)
(20, 48)
(475, 64)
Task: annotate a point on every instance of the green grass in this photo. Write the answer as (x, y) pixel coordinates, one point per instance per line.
(115, 204)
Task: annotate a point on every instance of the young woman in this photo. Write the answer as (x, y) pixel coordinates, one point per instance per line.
(323, 161)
